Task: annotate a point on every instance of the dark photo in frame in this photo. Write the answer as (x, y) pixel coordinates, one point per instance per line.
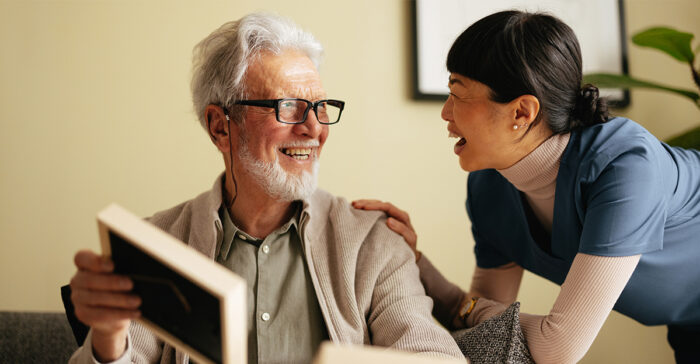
(188, 300)
(598, 24)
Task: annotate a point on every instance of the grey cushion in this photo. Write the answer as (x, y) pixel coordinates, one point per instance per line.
(35, 337)
(496, 340)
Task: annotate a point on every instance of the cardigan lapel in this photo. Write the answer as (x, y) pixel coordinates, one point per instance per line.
(314, 231)
(206, 232)
(206, 228)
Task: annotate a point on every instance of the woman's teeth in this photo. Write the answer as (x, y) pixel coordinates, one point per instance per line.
(461, 140)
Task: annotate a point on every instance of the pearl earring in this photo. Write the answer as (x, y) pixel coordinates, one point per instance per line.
(515, 126)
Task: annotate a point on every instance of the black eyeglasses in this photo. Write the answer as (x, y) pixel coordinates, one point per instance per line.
(295, 111)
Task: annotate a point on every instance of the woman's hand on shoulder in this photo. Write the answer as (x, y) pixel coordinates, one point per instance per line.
(399, 221)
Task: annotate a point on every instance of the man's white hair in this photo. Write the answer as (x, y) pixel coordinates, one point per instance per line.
(221, 60)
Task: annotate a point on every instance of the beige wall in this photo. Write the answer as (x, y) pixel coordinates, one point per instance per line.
(95, 108)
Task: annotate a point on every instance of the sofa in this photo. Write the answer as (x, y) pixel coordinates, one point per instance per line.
(35, 337)
(52, 337)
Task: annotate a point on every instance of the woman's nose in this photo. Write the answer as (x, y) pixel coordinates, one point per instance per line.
(446, 113)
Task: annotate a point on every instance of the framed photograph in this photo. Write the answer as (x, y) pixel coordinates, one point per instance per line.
(598, 24)
(188, 300)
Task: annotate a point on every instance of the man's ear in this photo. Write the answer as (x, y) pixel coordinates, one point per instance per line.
(526, 108)
(218, 126)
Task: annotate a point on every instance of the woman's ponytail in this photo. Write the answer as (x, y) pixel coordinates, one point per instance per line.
(590, 108)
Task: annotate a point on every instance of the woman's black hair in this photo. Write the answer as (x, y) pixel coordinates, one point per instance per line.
(517, 53)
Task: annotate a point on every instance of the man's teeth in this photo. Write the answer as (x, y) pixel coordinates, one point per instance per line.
(298, 153)
(453, 135)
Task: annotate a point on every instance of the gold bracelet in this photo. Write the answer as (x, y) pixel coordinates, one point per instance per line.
(465, 310)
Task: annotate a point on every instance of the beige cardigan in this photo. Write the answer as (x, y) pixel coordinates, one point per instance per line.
(364, 275)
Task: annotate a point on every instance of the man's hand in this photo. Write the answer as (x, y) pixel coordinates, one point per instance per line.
(103, 301)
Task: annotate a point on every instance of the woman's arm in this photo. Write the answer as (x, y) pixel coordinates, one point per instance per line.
(446, 295)
(498, 286)
(591, 288)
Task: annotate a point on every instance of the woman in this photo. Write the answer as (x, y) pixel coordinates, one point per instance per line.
(594, 204)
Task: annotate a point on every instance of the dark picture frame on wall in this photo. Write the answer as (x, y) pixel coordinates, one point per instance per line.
(598, 24)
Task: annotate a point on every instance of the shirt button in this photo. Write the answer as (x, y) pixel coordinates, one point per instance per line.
(265, 316)
(266, 249)
(242, 237)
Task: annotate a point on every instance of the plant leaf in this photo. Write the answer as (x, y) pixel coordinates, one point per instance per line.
(673, 42)
(608, 80)
(689, 139)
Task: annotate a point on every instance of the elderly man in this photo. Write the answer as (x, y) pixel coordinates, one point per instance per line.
(316, 268)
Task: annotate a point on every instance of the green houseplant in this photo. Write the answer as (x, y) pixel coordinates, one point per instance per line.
(675, 43)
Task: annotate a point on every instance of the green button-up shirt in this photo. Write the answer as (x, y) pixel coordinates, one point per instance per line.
(285, 324)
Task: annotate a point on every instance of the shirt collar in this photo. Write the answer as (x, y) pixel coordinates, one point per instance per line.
(230, 229)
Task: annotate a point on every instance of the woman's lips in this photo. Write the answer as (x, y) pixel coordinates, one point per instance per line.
(460, 145)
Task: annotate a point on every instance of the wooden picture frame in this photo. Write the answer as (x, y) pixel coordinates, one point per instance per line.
(332, 353)
(188, 300)
(598, 24)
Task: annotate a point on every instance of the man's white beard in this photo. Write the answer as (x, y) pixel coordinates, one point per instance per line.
(276, 182)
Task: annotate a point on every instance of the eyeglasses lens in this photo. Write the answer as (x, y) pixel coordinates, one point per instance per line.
(292, 111)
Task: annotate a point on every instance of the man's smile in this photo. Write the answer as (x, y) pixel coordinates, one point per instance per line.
(297, 153)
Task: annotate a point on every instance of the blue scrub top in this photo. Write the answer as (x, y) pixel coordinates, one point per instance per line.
(619, 192)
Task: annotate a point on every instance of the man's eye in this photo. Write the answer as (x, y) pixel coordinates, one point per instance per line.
(287, 104)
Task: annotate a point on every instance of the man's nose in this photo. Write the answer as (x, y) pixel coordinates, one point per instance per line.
(310, 127)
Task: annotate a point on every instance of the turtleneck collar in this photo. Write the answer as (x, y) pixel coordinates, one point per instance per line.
(536, 174)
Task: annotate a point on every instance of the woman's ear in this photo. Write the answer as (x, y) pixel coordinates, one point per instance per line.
(218, 126)
(527, 108)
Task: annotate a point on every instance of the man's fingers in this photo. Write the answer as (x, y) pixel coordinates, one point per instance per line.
(105, 299)
(88, 260)
(105, 318)
(100, 282)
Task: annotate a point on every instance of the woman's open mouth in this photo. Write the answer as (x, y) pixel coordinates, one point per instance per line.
(460, 143)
